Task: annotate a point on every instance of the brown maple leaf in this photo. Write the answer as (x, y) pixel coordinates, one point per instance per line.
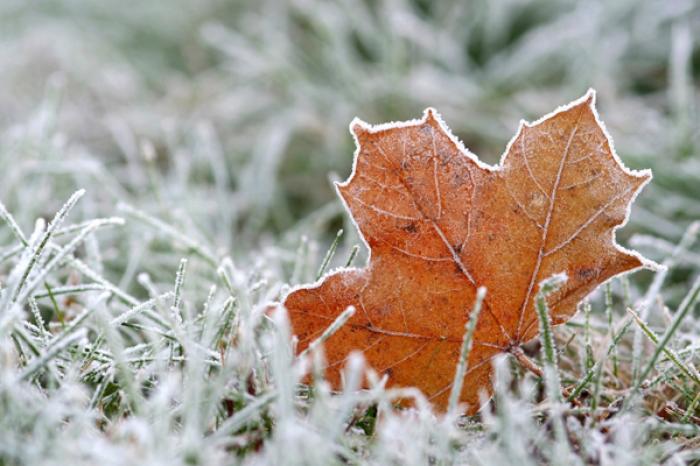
(439, 224)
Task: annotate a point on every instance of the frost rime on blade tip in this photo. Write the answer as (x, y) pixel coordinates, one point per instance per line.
(439, 223)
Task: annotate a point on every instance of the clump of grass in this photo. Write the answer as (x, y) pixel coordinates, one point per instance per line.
(204, 377)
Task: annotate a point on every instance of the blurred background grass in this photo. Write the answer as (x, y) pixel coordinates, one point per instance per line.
(230, 117)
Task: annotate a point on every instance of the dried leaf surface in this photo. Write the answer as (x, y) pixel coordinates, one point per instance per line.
(439, 224)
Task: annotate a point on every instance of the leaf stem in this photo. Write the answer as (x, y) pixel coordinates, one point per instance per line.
(525, 361)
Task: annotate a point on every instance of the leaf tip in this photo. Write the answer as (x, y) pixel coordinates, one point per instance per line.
(589, 97)
(646, 174)
(358, 128)
(431, 115)
(640, 178)
(651, 265)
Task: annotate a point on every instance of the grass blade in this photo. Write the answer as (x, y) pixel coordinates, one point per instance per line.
(467, 341)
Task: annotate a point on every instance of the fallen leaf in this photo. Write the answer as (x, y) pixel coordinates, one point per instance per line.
(439, 223)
